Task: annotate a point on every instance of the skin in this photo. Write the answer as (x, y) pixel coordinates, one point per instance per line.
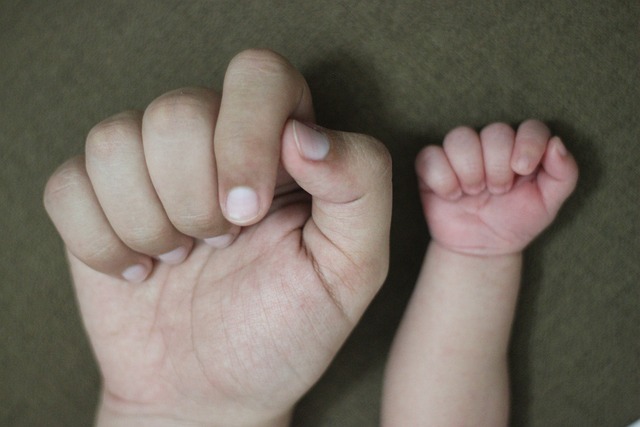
(485, 196)
(205, 313)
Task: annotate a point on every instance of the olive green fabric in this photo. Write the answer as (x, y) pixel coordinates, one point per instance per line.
(404, 71)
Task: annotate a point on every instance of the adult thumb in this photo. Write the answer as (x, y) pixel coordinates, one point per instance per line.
(349, 178)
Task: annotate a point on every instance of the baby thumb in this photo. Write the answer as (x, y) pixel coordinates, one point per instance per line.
(349, 178)
(558, 176)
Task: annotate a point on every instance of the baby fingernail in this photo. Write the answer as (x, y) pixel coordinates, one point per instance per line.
(242, 204)
(455, 195)
(220, 242)
(475, 188)
(499, 189)
(312, 144)
(175, 256)
(522, 165)
(562, 150)
(136, 273)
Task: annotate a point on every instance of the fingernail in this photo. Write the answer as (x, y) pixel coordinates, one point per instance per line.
(136, 273)
(562, 150)
(499, 189)
(522, 165)
(312, 144)
(220, 242)
(455, 195)
(476, 189)
(175, 256)
(242, 204)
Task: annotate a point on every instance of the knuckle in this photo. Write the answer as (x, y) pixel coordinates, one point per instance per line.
(64, 180)
(97, 249)
(382, 152)
(497, 127)
(459, 137)
(496, 131)
(261, 62)
(460, 132)
(199, 225)
(111, 134)
(146, 238)
(181, 108)
(441, 183)
(376, 154)
(534, 123)
(427, 156)
(385, 162)
(533, 132)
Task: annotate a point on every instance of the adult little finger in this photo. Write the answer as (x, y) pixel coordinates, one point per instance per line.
(76, 213)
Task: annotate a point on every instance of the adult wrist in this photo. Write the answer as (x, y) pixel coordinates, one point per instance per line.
(110, 416)
(107, 418)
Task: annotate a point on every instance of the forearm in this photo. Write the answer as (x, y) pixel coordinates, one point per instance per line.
(448, 365)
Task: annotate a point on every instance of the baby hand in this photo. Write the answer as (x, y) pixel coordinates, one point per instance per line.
(492, 193)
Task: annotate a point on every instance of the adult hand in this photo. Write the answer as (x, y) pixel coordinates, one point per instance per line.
(258, 240)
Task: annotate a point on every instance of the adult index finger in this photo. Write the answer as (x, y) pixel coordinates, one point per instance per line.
(261, 91)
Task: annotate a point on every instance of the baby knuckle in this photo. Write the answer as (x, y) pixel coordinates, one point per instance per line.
(461, 136)
(428, 156)
(441, 182)
(498, 128)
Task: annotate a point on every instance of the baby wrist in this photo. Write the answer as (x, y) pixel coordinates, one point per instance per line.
(487, 253)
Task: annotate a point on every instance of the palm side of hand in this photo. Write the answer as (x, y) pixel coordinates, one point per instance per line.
(492, 193)
(489, 223)
(249, 326)
(254, 289)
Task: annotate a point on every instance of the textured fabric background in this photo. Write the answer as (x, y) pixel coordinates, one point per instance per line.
(405, 71)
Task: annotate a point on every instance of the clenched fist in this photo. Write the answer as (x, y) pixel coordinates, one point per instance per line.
(222, 247)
